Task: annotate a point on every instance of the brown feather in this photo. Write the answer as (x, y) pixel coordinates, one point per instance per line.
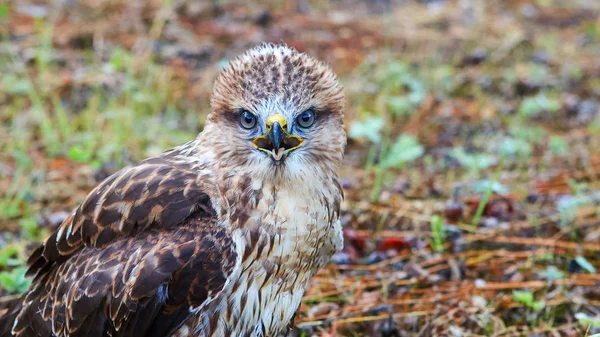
(141, 250)
(124, 284)
(156, 192)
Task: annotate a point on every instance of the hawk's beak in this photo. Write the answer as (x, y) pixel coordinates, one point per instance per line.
(276, 135)
(277, 142)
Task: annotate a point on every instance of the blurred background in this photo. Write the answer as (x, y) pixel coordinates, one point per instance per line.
(472, 176)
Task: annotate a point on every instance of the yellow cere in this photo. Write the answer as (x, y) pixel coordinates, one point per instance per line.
(279, 119)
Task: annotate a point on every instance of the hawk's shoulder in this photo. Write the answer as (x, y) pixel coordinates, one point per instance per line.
(159, 192)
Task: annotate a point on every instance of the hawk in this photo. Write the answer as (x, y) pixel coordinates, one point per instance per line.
(216, 237)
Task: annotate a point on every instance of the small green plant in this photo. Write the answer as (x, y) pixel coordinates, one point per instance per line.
(393, 88)
(30, 228)
(8, 256)
(516, 147)
(370, 129)
(527, 298)
(14, 281)
(474, 162)
(493, 186)
(406, 149)
(586, 320)
(4, 11)
(552, 273)
(485, 185)
(79, 154)
(404, 104)
(400, 105)
(532, 106)
(437, 229)
(558, 146)
(585, 264)
(529, 133)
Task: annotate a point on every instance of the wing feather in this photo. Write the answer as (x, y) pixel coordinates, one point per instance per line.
(153, 193)
(141, 250)
(140, 284)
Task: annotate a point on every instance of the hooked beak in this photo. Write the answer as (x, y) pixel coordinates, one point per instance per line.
(276, 142)
(276, 135)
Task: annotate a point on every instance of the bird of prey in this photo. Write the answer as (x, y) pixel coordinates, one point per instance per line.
(216, 237)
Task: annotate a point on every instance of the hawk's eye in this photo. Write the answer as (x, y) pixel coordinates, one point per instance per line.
(247, 120)
(306, 119)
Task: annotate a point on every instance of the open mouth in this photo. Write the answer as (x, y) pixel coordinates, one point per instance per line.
(277, 143)
(288, 144)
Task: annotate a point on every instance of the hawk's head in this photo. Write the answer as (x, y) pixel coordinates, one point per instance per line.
(277, 111)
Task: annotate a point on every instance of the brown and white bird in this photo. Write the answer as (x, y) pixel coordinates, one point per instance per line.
(216, 237)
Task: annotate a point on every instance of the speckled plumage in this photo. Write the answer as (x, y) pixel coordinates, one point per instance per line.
(212, 238)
